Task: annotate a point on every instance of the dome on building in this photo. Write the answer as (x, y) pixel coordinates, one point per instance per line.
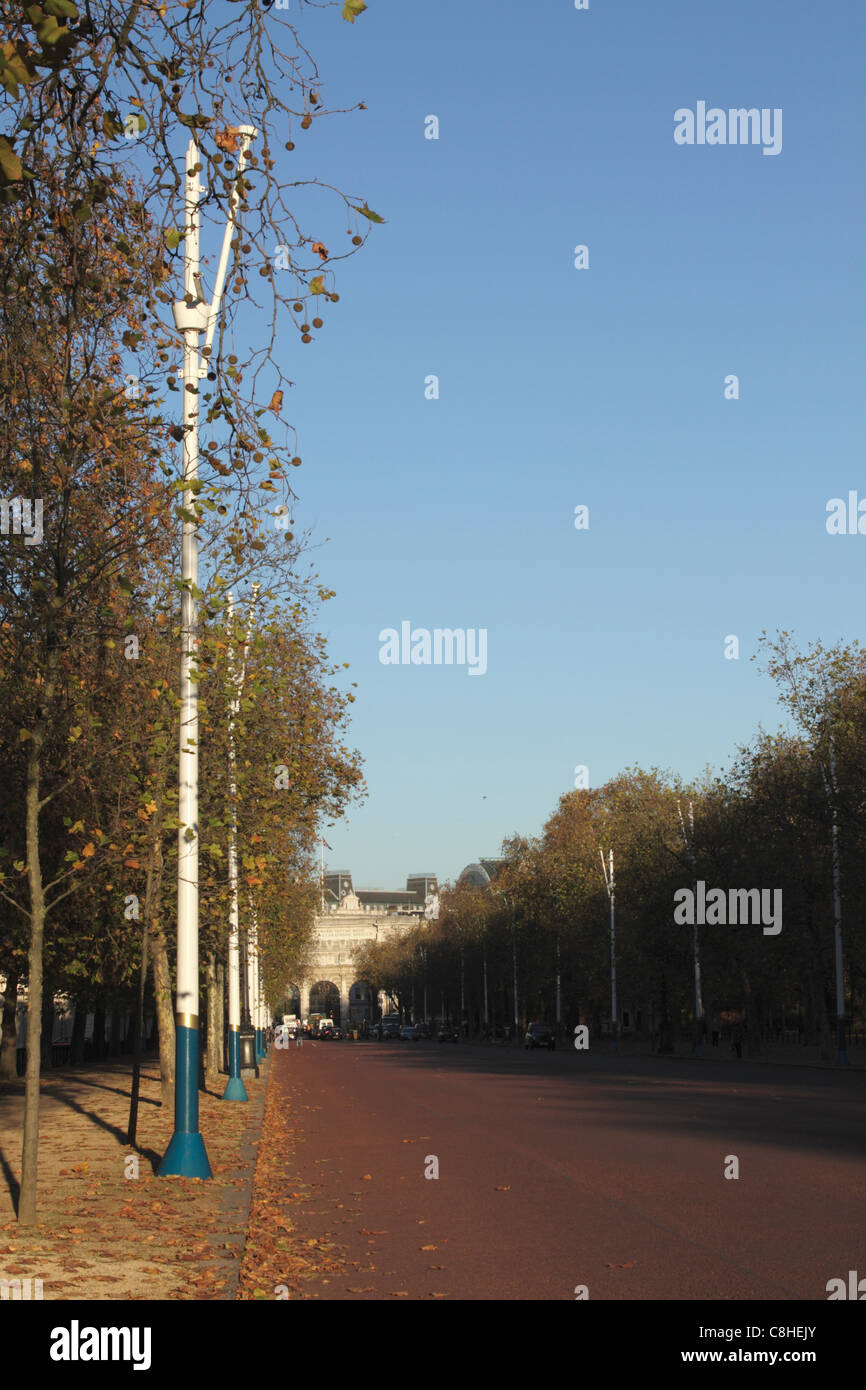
(475, 875)
(480, 874)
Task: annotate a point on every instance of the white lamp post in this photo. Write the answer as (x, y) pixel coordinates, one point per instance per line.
(255, 978)
(186, 1155)
(689, 842)
(235, 1089)
(607, 870)
(830, 784)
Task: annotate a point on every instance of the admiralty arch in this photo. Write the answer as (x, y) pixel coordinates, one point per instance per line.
(347, 920)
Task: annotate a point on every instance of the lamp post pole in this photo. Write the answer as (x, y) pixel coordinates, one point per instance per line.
(689, 842)
(484, 982)
(186, 1155)
(235, 1089)
(256, 1009)
(510, 905)
(841, 1041)
(607, 870)
(514, 972)
(263, 1005)
(558, 992)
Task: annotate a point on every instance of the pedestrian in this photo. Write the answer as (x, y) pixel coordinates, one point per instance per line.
(737, 1039)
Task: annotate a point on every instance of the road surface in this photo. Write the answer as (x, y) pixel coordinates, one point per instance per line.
(565, 1171)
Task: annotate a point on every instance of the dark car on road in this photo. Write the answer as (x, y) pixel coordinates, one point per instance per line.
(391, 1031)
(447, 1034)
(539, 1035)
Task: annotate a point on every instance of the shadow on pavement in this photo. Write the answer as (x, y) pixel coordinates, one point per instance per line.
(818, 1109)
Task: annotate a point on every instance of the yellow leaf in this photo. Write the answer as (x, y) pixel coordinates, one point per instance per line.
(11, 168)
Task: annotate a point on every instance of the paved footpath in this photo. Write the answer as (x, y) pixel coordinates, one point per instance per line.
(558, 1170)
(108, 1227)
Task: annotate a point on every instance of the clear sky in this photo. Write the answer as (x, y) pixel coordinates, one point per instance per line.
(560, 387)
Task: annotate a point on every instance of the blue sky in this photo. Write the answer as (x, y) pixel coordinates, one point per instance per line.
(560, 387)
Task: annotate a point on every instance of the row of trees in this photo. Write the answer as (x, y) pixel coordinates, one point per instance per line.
(790, 814)
(96, 106)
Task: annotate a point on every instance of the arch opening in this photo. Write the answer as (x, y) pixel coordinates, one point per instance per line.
(325, 1001)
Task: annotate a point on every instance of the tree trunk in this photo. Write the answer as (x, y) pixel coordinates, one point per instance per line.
(751, 1029)
(220, 1018)
(98, 1034)
(214, 1005)
(165, 1015)
(162, 991)
(826, 1035)
(30, 1143)
(47, 1026)
(137, 1041)
(666, 1033)
(9, 1030)
(814, 1036)
(76, 1049)
(819, 1031)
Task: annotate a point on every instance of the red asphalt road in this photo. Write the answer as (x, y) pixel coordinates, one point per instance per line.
(566, 1169)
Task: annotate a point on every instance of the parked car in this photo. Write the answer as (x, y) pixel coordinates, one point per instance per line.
(539, 1035)
(409, 1033)
(423, 1030)
(448, 1034)
(390, 1031)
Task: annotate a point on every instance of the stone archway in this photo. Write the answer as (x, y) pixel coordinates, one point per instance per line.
(325, 1000)
(291, 1003)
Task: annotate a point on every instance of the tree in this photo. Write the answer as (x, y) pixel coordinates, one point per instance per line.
(105, 87)
(813, 686)
(93, 253)
(86, 453)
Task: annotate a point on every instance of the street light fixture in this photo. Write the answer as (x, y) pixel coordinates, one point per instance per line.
(186, 1155)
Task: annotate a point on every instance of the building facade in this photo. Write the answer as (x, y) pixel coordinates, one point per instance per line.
(350, 919)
